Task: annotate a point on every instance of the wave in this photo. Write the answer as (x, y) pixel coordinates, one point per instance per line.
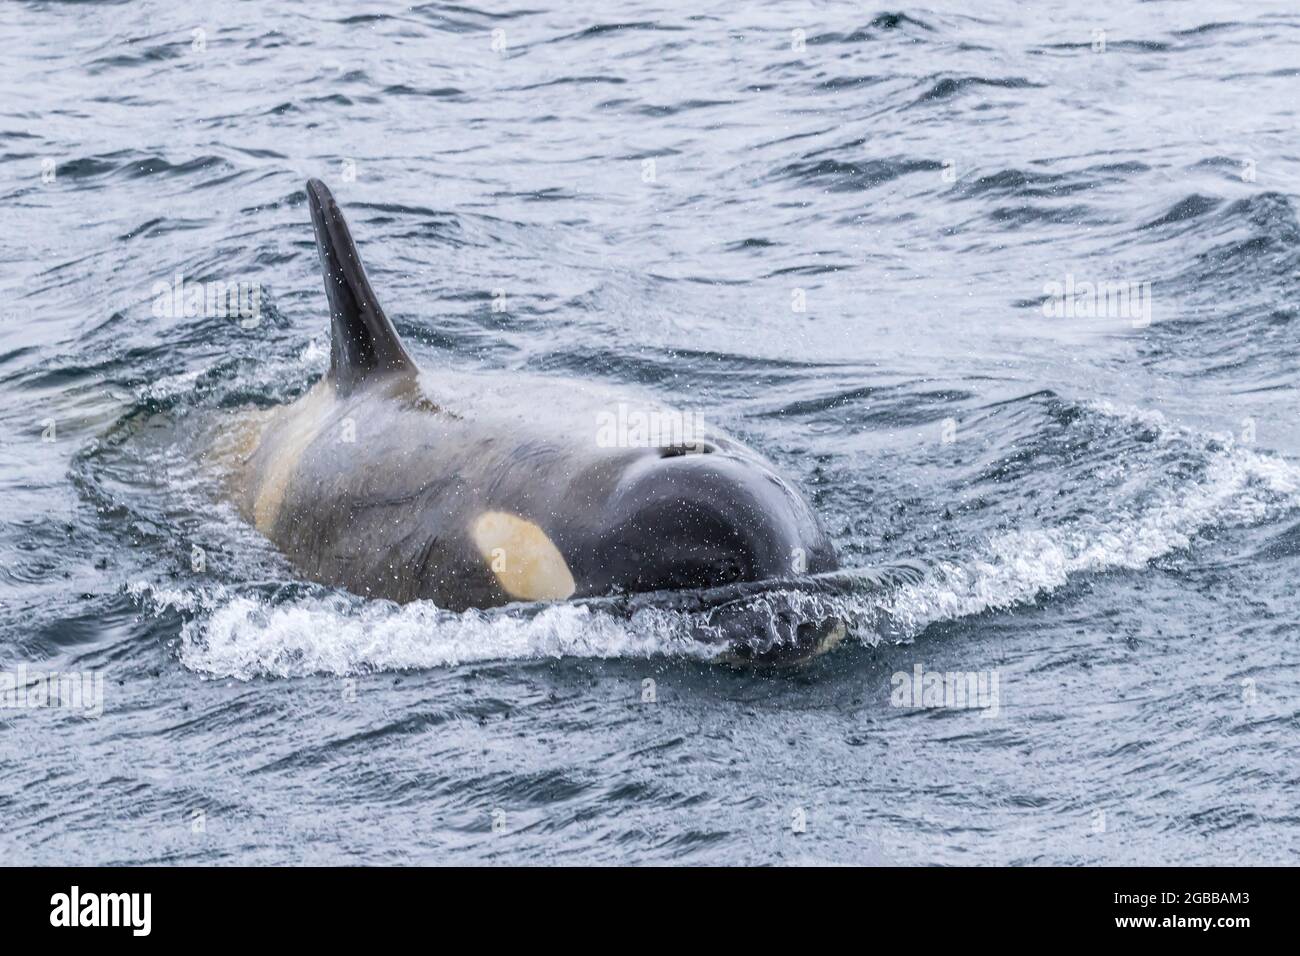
(881, 24)
(1228, 270)
(134, 164)
(245, 636)
(851, 175)
(949, 86)
(1240, 487)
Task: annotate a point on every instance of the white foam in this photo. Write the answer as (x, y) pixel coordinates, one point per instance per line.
(270, 374)
(169, 386)
(1240, 487)
(244, 636)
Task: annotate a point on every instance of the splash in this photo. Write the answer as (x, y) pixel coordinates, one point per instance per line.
(246, 636)
(1238, 487)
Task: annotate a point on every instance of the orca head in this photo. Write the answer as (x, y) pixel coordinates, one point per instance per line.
(707, 516)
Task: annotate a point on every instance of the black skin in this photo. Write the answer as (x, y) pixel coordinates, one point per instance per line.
(377, 475)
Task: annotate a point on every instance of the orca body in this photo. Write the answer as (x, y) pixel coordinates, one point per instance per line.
(479, 491)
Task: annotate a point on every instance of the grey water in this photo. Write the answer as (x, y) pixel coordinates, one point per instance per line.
(1007, 288)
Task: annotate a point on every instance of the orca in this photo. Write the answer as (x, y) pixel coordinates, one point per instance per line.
(483, 490)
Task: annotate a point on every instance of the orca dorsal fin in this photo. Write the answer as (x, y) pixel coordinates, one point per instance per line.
(363, 342)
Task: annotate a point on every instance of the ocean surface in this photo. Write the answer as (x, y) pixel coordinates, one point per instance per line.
(1009, 289)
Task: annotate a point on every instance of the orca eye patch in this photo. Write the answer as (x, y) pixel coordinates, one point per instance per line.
(527, 564)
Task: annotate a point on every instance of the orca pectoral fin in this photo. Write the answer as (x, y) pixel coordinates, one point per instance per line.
(363, 342)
